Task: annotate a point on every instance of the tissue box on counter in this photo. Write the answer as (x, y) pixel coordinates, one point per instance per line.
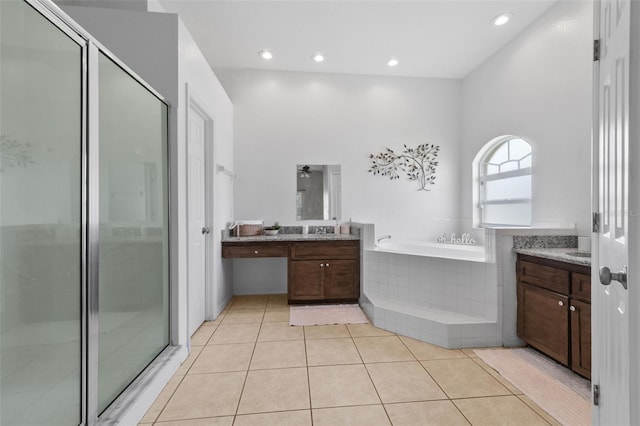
(247, 228)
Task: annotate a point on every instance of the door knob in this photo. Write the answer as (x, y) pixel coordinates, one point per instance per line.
(606, 276)
(206, 230)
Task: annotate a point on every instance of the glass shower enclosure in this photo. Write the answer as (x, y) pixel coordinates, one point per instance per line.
(84, 230)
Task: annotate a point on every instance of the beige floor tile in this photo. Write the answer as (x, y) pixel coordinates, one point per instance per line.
(276, 315)
(341, 385)
(463, 378)
(277, 301)
(535, 407)
(504, 382)
(165, 394)
(235, 333)
(282, 418)
(243, 316)
(364, 415)
(470, 353)
(202, 335)
(210, 421)
(249, 302)
(279, 355)
(216, 321)
(426, 413)
(382, 349)
(426, 351)
(222, 358)
(403, 382)
(326, 331)
(365, 330)
(332, 352)
(188, 362)
(205, 395)
(500, 410)
(275, 390)
(275, 331)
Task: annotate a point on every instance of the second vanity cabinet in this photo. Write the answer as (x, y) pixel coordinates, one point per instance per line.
(554, 310)
(324, 271)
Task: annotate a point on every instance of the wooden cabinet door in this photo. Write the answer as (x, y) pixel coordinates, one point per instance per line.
(340, 279)
(581, 338)
(305, 280)
(543, 321)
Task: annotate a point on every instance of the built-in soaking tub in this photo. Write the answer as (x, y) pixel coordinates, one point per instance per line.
(443, 294)
(437, 250)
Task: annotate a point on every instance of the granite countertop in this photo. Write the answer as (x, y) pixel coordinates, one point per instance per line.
(293, 237)
(559, 254)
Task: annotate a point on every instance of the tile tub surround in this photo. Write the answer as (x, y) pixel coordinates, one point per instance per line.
(450, 303)
(444, 302)
(354, 372)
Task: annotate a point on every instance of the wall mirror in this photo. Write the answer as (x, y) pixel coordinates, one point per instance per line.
(319, 194)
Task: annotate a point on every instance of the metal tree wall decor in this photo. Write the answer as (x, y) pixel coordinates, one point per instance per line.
(418, 163)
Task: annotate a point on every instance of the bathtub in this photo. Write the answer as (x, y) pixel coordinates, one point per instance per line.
(443, 251)
(444, 294)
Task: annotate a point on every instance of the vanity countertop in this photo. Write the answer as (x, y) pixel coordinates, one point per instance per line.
(559, 254)
(292, 237)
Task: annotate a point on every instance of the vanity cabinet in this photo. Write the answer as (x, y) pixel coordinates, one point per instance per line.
(318, 271)
(324, 271)
(554, 310)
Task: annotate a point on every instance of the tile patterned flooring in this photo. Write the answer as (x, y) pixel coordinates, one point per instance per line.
(249, 367)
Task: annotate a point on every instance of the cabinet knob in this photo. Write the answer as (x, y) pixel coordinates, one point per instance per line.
(327, 264)
(572, 308)
(255, 252)
(322, 265)
(560, 303)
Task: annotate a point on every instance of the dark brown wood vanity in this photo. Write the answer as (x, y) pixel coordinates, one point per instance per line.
(319, 271)
(554, 310)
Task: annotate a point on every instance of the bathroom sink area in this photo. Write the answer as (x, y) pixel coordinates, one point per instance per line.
(579, 253)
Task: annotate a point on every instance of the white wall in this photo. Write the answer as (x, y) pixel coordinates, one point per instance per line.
(285, 118)
(159, 49)
(538, 87)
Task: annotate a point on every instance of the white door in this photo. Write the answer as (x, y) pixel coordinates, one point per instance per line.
(197, 227)
(612, 311)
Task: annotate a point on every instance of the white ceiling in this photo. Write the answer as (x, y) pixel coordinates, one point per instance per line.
(437, 38)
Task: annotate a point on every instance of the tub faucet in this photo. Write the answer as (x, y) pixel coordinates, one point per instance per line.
(384, 237)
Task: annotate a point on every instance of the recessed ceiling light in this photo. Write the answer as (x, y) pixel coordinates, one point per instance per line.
(501, 19)
(318, 57)
(265, 54)
(392, 62)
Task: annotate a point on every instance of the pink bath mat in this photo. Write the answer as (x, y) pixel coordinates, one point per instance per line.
(556, 389)
(326, 314)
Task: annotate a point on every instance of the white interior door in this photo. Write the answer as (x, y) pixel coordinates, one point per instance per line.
(610, 303)
(197, 226)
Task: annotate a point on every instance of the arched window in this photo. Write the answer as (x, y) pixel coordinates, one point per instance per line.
(505, 183)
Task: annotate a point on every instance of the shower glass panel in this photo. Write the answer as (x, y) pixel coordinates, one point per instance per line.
(133, 284)
(40, 220)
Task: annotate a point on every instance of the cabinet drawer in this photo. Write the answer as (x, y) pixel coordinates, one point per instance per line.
(544, 276)
(332, 250)
(255, 251)
(581, 287)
